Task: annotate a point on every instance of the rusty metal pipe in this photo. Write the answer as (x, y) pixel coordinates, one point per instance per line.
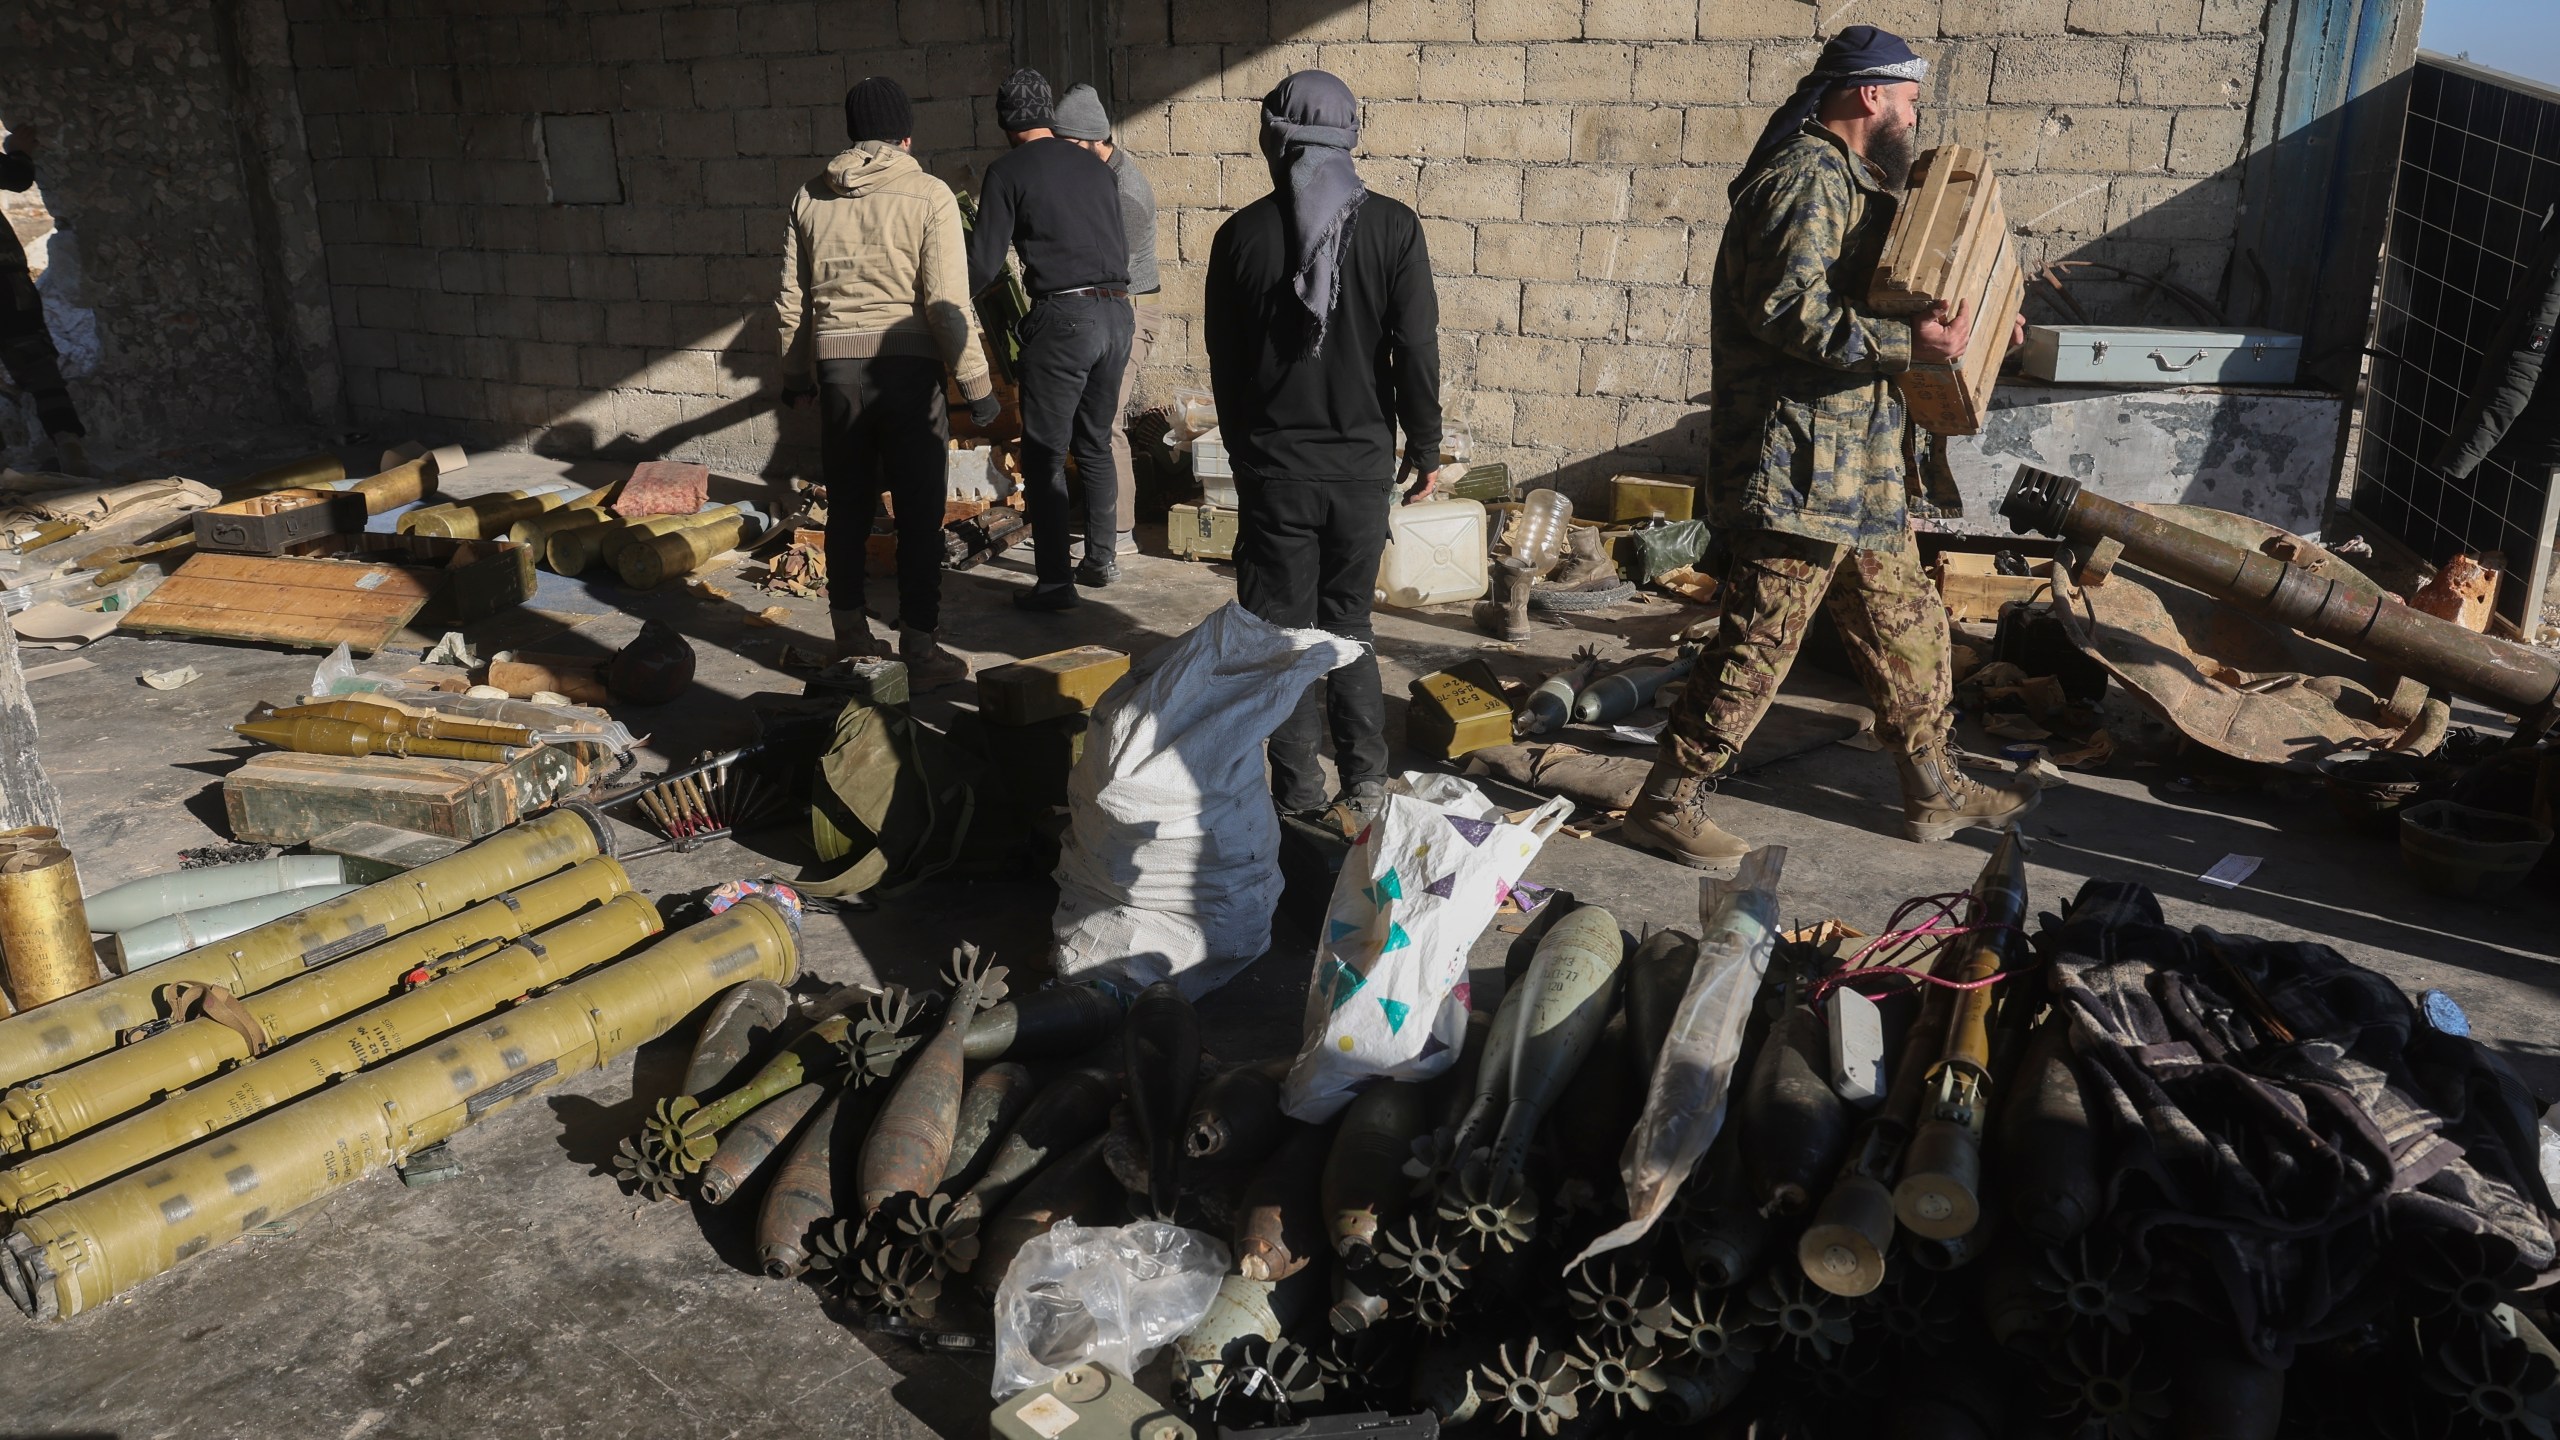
(2354, 616)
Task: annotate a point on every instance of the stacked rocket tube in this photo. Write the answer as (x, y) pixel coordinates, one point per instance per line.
(391, 1028)
(47, 1038)
(57, 1107)
(80, 1253)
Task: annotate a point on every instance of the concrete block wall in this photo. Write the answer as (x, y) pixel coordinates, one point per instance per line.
(1569, 156)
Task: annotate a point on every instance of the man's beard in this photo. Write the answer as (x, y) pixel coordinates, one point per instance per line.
(1894, 152)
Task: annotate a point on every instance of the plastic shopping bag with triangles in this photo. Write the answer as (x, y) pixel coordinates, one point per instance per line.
(1388, 999)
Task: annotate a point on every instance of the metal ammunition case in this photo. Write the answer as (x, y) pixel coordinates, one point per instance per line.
(56, 1107)
(44, 929)
(80, 1253)
(73, 1029)
(391, 1028)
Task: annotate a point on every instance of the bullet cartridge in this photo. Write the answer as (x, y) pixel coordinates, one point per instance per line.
(54, 1108)
(391, 1028)
(77, 1255)
(73, 1029)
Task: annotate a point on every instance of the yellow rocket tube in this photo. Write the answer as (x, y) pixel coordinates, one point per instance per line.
(77, 1255)
(56, 1107)
(393, 1027)
(37, 1041)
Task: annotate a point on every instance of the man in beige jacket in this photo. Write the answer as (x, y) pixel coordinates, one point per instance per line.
(874, 305)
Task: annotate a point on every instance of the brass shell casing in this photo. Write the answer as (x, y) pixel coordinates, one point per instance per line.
(44, 930)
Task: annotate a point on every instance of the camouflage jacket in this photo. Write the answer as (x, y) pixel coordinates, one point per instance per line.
(1805, 436)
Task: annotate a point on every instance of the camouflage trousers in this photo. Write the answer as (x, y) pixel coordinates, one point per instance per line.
(1888, 613)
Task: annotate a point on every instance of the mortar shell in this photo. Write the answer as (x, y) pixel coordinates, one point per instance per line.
(1795, 1127)
(995, 1099)
(1060, 1021)
(368, 1038)
(1065, 1114)
(1280, 1225)
(1657, 977)
(44, 929)
(752, 1141)
(1235, 1116)
(76, 1255)
(1077, 1186)
(1571, 992)
(1161, 1055)
(739, 1022)
(1364, 1187)
(803, 1193)
(58, 1107)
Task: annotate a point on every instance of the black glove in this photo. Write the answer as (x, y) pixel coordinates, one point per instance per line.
(984, 410)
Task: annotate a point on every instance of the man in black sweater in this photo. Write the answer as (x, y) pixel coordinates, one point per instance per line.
(1322, 329)
(26, 346)
(1058, 207)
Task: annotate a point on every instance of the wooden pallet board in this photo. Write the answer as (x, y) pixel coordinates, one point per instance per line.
(305, 604)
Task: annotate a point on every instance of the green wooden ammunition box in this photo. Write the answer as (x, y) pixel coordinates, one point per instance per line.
(1457, 710)
(868, 679)
(1044, 687)
(281, 797)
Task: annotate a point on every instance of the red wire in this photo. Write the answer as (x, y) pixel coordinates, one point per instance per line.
(1936, 929)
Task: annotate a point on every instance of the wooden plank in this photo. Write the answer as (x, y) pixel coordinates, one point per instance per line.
(284, 601)
(1978, 265)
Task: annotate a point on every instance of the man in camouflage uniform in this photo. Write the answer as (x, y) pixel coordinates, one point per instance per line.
(1805, 460)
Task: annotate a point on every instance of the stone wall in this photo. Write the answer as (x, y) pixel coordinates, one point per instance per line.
(1569, 156)
(168, 243)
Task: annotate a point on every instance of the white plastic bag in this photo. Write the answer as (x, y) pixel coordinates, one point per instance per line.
(1387, 999)
(1109, 1295)
(1171, 866)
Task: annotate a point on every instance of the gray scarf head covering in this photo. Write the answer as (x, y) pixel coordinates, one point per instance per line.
(1310, 121)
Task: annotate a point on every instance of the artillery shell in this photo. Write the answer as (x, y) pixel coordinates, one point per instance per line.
(2047, 1150)
(1587, 1129)
(1160, 1050)
(1795, 1129)
(752, 1141)
(1235, 1116)
(1364, 1187)
(1076, 1188)
(1065, 1114)
(1280, 1226)
(909, 1148)
(995, 1099)
(1657, 976)
(739, 1022)
(803, 1194)
(1063, 1020)
(1568, 996)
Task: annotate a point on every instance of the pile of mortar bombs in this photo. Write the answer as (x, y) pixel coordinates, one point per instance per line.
(2121, 1181)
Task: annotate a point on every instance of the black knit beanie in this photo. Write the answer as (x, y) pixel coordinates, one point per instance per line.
(878, 109)
(1023, 102)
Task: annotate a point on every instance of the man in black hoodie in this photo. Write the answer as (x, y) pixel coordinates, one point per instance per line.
(1322, 329)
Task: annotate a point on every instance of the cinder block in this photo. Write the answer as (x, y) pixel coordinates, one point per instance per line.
(1585, 71)
(1693, 74)
(1473, 190)
(1398, 180)
(541, 363)
(779, 27)
(813, 80)
(746, 180)
(1415, 130)
(2207, 141)
(1194, 21)
(1541, 364)
(1674, 432)
(1243, 179)
(676, 279)
(924, 21)
(570, 322)
(603, 367)
(1667, 315)
(1527, 251)
(2056, 72)
(2190, 72)
(2107, 139)
(1913, 20)
(1528, 20)
(1376, 71)
(1970, 18)
(1178, 72)
(1720, 134)
(1487, 416)
(1641, 254)
(1473, 72)
(1479, 303)
(2144, 207)
(1421, 19)
(1451, 245)
(695, 33)
(1694, 193)
(1573, 424)
(1654, 372)
(774, 132)
(1632, 134)
(1253, 70)
(2233, 17)
(2055, 204)
(2135, 17)
(1198, 231)
(741, 279)
(1577, 310)
(1531, 133)
(1776, 68)
(846, 25)
(1639, 20)
(672, 183)
(1184, 180)
(1576, 193)
(1318, 20)
(1757, 19)
(1215, 127)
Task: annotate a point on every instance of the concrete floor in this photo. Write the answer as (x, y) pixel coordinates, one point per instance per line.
(531, 1297)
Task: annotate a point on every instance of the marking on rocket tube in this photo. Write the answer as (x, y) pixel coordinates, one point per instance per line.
(368, 936)
(194, 1244)
(242, 1179)
(510, 1088)
(464, 1078)
(176, 1210)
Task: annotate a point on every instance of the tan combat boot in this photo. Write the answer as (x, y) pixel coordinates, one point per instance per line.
(1670, 818)
(853, 636)
(929, 666)
(1939, 799)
